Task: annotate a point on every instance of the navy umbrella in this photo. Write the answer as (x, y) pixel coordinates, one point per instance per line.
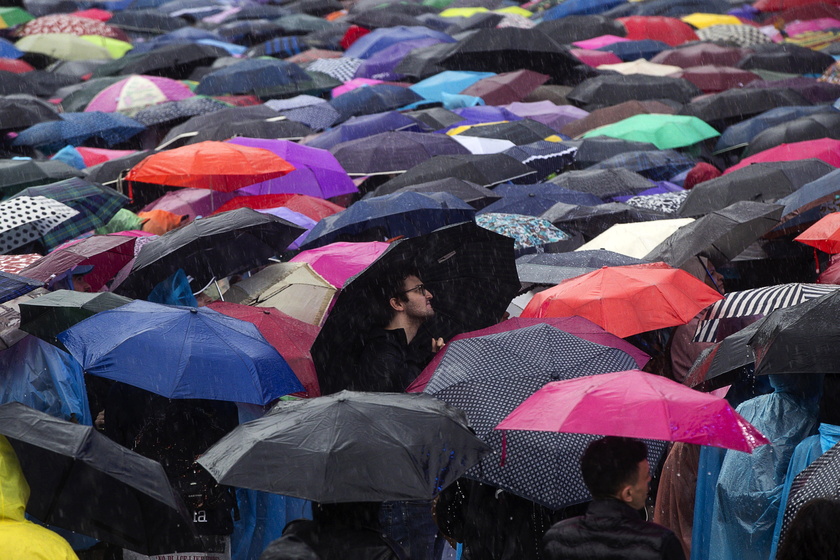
(603, 183)
(533, 200)
(14, 285)
(656, 165)
(632, 50)
(373, 99)
(363, 126)
(739, 135)
(77, 128)
(249, 75)
(407, 214)
(393, 152)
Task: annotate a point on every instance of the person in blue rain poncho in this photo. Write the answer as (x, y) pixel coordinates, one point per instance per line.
(744, 496)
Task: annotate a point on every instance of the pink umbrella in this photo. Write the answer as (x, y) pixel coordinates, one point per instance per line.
(353, 84)
(337, 262)
(595, 58)
(598, 42)
(95, 156)
(799, 27)
(634, 404)
(577, 326)
(825, 149)
(138, 92)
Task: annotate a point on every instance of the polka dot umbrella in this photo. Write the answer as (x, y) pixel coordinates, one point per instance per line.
(26, 219)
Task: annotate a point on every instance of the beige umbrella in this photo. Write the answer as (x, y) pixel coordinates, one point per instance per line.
(641, 66)
(635, 239)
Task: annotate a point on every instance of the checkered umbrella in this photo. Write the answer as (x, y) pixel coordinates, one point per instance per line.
(740, 35)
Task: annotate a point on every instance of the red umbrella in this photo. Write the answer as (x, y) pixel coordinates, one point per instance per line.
(13, 264)
(825, 149)
(315, 208)
(15, 66)
(291, 338)
(779, 5)
(823, 235)
(219, 166)
(634, 404)
(627, 300)
(578, 326)
(668, 30)
(715, 79)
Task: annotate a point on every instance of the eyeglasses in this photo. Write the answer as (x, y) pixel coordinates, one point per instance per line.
(419, 288)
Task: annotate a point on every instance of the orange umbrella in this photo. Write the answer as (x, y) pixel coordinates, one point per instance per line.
(824, 234)
(219, 166)
(627, 300)
(310, 206)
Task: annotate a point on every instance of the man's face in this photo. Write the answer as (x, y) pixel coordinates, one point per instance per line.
(80, 284)
(640, 487)
(419, 304)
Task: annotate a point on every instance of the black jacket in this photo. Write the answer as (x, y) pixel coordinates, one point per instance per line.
(306, 540)
(610, 530)
(388, 363)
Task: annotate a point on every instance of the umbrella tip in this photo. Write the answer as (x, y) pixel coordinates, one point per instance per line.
(194, 310)
(266, 311)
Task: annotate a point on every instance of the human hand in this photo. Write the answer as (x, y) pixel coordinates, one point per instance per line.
(437, 344)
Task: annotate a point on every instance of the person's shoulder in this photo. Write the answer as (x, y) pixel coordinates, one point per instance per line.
(29, 541)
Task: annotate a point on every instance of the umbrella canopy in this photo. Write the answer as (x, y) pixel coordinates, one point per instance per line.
(635, 239)
(700, 54)
(77, 128)
(663, 131)
(825, 149)
(553, 268)
(475, 195)
(250, 75)
(603, 183)
(656, 165)
(787, 57)
(668, 30)
(170, 111)
(734, 105)
(63, 46)
(614, 113)
(526, 231)
(221, 166)
(82, 481)
(738, 35)
(199, 353)
(406, 214)
(812, 127)
(635, 404)
(27, 218)
(373, 99)
(69, 24)
(310, 206)
(577, 28)
(349, 447)
(392, 152)
(533, 200)
(134, 93)
(823, 235)
(507, 87)
(524, 131)
(612, 89)
(13, 286)
(715, 79)
(721, 235)
(489, 376)
(23, 111)
(627, 300)
(208, 248)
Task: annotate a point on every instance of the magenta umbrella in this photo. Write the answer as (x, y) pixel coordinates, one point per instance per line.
(337, 262)
(598, 42)
(317, 172)
(595, 58)
(634, 404)
(577, 326)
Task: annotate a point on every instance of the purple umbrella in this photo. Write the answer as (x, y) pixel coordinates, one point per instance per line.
(381, 65)
(296, 218)
(317, 172)
(546, 112)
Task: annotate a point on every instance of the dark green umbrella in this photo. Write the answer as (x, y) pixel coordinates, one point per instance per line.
(48, 315)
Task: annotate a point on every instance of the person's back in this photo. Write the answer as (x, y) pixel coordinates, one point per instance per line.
(21, 539)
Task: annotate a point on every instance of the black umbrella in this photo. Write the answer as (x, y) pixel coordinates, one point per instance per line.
(489, 376)
(317, 8)
(349, 447)
(721, 235)
(811, 89)
(788, 58)
(22, 111)
(524, 131)
(110, 172)
(510, 49)
(176, 61)
(376, 18)
(248, 32)
(765, 182)
(578, 28)
(393, 152)
(208, 248)
(534, 199)
(603, 183)
(425, 61)
(553, 268)
(475, 195)
(82, 481)
(734, 105)
(800, 339)
(435, 118)
(36, 82)
(146, 22)
(16, 175)
(232, 115)
(544, 157)
(173, 112)
(485, 170)
(812, 127)
(598, 148)
(470, 271)
(591, 221)
(723, 363)
(480, 20)
(611, 89)
(278, 128)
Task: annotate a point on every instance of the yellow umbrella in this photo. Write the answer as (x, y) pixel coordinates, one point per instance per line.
(700, 20)
(62, 46)
(515, 10)
(641, 66)
(462, 12)
(115, 47)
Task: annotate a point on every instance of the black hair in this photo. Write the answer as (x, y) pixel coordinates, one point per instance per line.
(611, 462)
(391, 285)
(813, 533)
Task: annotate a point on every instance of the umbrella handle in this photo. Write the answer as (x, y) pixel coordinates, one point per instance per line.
(816, 260)
(503, 459)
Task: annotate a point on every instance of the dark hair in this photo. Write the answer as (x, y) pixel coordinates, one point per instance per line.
(357, 515)
(611, 462)
(391, 285)
(812, 534)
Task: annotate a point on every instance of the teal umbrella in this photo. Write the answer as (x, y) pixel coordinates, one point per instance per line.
(663, 131)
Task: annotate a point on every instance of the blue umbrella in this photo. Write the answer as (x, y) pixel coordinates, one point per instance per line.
(181, 353)
(363, 126)
(250, 75)
(380, 66)
(373, 99)
(76, 128)
(9, 50)
(740, 134)
(579, 8)
(533, 200)
(379, 39)
(656, 165)
(669, 8)
(406, 214)
(450, 81)
(632, 50)
(14, 285)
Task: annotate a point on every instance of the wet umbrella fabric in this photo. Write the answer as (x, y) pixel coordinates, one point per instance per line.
(21, 112)
(553, 268)
(598, 148)
(656, 165)
(392, 152)
(737, 104)
(489, 376)
(823, 235)
(177, 110)
(373, 99)
(526, 231)
(199, 353)
(577, 28)
(787, 57)
(212, 247)
(82, 481)
(475, 195)
(634, 404)
(715, 79)
(349, 447)
(603, 183)
(249, 75)
(524, 131)
(77, 128)
(612, 89)
(13, 286)
(813, 127)
(535, 199)
(363, 126)
(663, 131)
(700, 54)
(825, 149)
(614, 113)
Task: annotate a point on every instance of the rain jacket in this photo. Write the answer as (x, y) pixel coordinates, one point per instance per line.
(21, 539)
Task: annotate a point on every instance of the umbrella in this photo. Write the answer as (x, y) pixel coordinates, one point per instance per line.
(338, 262)
(591, 221)
(786, 57)
(13, 264)
(434, 87)
(640, 66)
(199, 353)
(291, 337)
(381, 65)
(545, 157)
(251, 75)
(812, 127)
(721, 235)
(424, 62)
(62, 46)
(507, 87)
(77, 128)
(13, 286)
(170, 111)
(737, 35)
(627, 300)
(656, 165)
(798, 339)
(533, 200)
(594, 149)
(524, 131)
(363, 126)
(12, 16)
(700, 54)
(373, 99)
(759, 182)
(823, 234)
(579, 7)
(57, 311)
(612, 89)
(634, 404)
(663, 131)
(82, 481)
(208, 248)
(747, 306)
(603, 183)
(579, 27)
(146, 21)
(635, 239)
(190, 202)
(546, 112)
(470, 271)
(310, 206)
(628, 50)
(68, 24)
(278, 128)
(615, 113)
(406, 214)
(489, 376)
(553, 268)
(17, 174)
(219, 166)
(367, 447)
(96, 205)
(28, 218)
(475, 195)
(392, 152)
(666, 29)
(293, 288)
(825, 149)
(733, 105)
(526, 231)
(720, 365)
(715, 79)
(317, 172)
(230, 115)
(23, 111)
(485, 170)
(812, 89)
(134, 93)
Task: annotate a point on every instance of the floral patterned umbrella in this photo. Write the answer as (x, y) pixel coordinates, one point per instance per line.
(72, 25)
(526, 231)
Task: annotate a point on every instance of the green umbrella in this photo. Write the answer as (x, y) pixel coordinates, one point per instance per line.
(11, 16)
(57, 311)
(663, 131)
